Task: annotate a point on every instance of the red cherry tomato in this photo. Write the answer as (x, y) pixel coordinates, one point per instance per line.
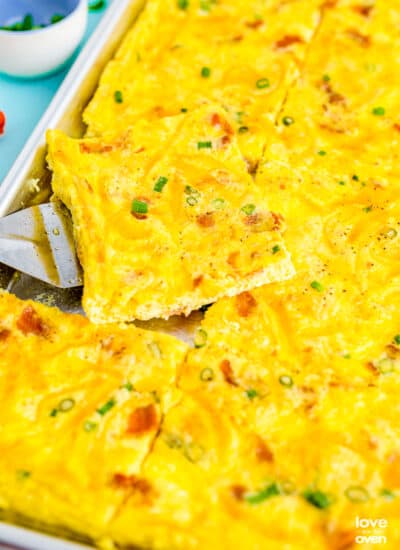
(2, 122)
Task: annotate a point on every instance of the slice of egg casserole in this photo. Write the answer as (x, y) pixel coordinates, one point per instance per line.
(166, 217)
(81, 407)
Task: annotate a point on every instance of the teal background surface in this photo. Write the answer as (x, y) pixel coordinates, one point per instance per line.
(24, 102)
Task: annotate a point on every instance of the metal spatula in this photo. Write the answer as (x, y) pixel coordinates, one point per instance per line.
(39, 241)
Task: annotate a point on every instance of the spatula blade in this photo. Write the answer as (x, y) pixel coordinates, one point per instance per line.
(39, 241)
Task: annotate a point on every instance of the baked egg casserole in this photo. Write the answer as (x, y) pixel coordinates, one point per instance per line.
(241, 157)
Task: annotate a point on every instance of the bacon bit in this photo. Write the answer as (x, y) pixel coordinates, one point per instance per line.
(218, 121)
(142, 420)
(226, 369)
(238, 491)
(140, 150)
(336, 98)
(29, 322)
(197, 281)
(160, 111)
(393, 351)
(278, 220)
(332, 129)
(282, 186)
(252, 166)
(263, 453)
(206, 220)
(254, 24)
(307, 389)
(371, 367)
(396, 126)
(225, 140)
(309, 406)
(123, 481)
(245, 304)
(4, 334)
(2, 122)
(253, 219)
(363, 10)
(288, 40)
(238, 38)
(329, 4)
(88, 147)
(232, 259)
(362, 39)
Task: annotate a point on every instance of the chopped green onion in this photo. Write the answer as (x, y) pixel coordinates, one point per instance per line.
(367, 209)
(193, 452)
(286, 380)
(262, 83)
(54, 412)
(218, 204)
(341, 182)
(106, 407)
(27, 23)
(355, 178)
(322, 153)
(378, 111)
(191, 191)
(173, 441)
(387, 494)
(248, 209)
(239, 117)
(357, 494)
(204, 145)
(97, 5)
(206, 375)
(391, 233)
(139, 207)
(318, 499)
(346, 356)
(317, 286)
(23, 474)
(251, 394)
(205, 72)
(128, 386)
(385, 366)
(66, 405)
(243, 129)
(266, 493)
(89, 426)
(276, 249)
(396, 339)
(183, 4)
(184, 110)
(56, 18)
(201, 338)
(155, 349)
(288, 120)
(326, 78)
(118, 97)
(160, 184)
(192, 200)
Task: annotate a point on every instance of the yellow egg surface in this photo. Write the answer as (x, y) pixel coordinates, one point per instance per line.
(243, 54)
(166, 217)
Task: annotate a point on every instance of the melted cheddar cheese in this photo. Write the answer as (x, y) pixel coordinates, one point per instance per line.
(166, 217)
(280, 427)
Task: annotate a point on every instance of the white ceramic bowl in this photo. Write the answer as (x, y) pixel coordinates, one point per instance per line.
(39, 52)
